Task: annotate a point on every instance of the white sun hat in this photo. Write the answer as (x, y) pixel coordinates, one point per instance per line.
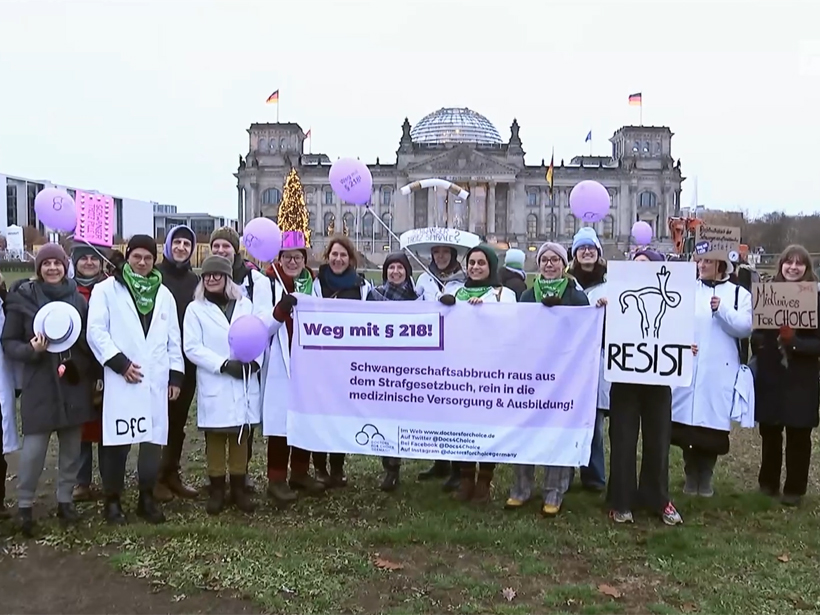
(60, 323)
(422, 240)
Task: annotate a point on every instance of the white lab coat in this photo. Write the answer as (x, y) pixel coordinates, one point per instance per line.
(708, 401)
(262, 295)
(114, 327)
(221, 400)
(276, 391)
(8, 403)
(594, 293)
(430, 290)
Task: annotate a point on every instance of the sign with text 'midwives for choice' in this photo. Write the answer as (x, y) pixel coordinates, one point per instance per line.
(784, 304)
(650, 322)
(510, 383)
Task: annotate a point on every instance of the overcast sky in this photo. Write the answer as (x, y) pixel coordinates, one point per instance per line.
(152, 99)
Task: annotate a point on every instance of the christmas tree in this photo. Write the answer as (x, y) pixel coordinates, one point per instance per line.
(293, 213)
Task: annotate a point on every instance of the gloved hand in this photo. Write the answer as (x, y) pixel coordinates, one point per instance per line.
(447, 299)
(551, 301)
(253, 365)
(286, 304)
(233, 368)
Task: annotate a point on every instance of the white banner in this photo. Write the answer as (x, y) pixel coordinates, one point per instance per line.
(650, 322)
(132, 423)
(511, 383)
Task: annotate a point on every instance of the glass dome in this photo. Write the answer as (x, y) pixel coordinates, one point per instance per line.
(455, 125)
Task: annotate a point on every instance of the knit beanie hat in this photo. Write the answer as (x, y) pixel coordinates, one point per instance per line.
(650, 254)
(586, 236)
(560, 250)
(49, 251)
(514, 259)
(397, 257)
(146, 242)
(217, 264)
(78, 250)
(228, 234)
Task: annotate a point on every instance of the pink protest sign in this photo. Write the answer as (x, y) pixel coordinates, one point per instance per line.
(293, 240)
(95, 213)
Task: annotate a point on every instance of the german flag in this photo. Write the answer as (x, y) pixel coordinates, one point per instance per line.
(273, 98)
(551, 172)
(635, 99)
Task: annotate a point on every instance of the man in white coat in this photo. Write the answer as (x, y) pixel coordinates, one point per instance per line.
(255, 286)
(133, 331)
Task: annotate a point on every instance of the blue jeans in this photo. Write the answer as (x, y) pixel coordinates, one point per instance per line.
(594, 475)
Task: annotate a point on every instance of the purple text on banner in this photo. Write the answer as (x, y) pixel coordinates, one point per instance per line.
(95, 213)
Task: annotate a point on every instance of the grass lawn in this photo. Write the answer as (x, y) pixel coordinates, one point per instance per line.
(359, 550)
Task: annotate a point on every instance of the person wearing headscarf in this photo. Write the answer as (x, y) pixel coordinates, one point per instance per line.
(512, 274)
(787, 391)
(133, 331)
(229, 399)
(180, 279)
(255, 286)
(644, 409)
(702, 412)
(588, 267)
(56, 397)
(288, 274)
(337, 279)
(482, 285)
(88, 271)
(397, 285)
(552, 287)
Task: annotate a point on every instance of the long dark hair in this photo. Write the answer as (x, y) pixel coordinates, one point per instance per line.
(795, 252)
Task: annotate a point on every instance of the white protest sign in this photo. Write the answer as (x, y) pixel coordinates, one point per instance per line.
(650, 323)
(132, 422)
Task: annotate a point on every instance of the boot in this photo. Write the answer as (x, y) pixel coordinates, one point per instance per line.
(5, 513)
(454, 480)
(239, 494)
(305, 481)
(26, 522)
(690, 469)
(390, 481)
(439, 469)
(112, 510)
(162, 492)
(466, 485)
(707, 469)
(216, 496)
(175, 485)
(482, 487)
(147, 507)
(67, 513)
(280, 491)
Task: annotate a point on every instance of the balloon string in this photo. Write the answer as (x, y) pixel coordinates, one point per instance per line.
(406, 250)
(245, 386)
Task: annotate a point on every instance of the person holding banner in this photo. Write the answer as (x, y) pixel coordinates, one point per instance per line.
(397, 285)
(134, 333)
(337, 279)
(552, 287)
(228, 392)
(702, 412)
(56, 396)
(787, 390)
(291, 270)
(482, 285)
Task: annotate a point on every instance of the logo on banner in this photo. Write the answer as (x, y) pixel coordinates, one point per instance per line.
(668, 299)
(369, 434)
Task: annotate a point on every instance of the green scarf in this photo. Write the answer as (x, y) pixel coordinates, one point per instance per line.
(304, 283)
(143, 289)
(549, 288)
(465, 294)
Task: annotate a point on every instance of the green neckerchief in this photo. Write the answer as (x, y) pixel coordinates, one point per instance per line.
(143, 289)
(304, 283)
(549, 288)
(465, 294)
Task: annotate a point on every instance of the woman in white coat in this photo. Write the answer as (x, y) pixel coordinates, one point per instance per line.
(702, 411)
(482, 286)
(228, 398)
(133, 330)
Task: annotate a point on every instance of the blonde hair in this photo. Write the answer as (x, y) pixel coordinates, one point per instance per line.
(232, 290)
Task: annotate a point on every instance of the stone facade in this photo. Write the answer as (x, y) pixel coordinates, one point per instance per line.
(509, 200)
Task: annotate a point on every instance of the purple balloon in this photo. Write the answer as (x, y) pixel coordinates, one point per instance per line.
(642, 233)
(351, 181)
(248, 338)
(55, 209)
(262, 239)
(589, 201)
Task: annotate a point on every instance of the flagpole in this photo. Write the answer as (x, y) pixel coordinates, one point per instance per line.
(590, 146)
(277, 110)
(552, 213)
(641, 111)
(310, 143)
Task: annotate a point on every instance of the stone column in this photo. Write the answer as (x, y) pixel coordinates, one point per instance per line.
(431, 206)
(491, 209)
(318, 202)
(251, 202)
(472, 208)
(338, 227)
(543, 211)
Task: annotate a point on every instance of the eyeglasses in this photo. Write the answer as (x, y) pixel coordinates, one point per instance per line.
(591, 249)
(551, 261)
(212, 276)
(293, 258)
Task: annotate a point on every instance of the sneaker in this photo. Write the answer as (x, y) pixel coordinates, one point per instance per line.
(514, 504)
(550, 510)
(621, 517)
(670, 515)
(791, 500)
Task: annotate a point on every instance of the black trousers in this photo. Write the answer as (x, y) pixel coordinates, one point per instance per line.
(4, 466)
(647, 409)
(798, 458)
(337, 462)
(177, 420)
(113, 460)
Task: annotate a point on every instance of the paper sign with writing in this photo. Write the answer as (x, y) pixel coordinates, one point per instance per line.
(717, 242)
(784, 304)
(95, 219)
